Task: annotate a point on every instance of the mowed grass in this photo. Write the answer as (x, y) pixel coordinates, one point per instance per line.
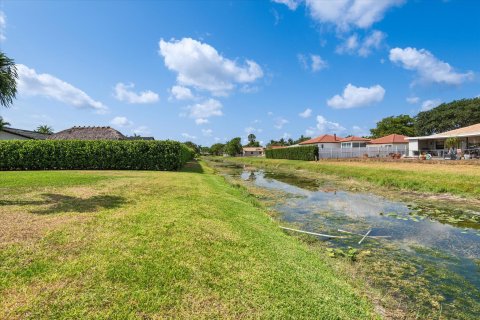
(461, 180)
(169, 245)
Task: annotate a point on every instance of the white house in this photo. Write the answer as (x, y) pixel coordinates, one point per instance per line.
(392, 142)
(253, 151)
(468, 137)
(354, 142)
(325, 141)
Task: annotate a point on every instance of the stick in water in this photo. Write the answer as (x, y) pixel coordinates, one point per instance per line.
(358, 234)
(313, 233)
(366, 235)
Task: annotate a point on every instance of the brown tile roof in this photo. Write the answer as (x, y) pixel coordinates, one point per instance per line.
(88, 133)
(392, 138)
(253, 149)
(326, 138)
(354, 138)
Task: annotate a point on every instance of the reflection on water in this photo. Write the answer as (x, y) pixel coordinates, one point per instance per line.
(320, 211)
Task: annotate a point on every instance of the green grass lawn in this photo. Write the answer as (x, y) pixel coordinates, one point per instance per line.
(460, 180)
(145, 245)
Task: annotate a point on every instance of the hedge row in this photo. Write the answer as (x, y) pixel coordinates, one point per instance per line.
(94, 155)
(307, 153)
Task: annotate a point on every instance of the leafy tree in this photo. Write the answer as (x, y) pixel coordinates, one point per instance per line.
(217, 149)
(448, 116)
(251, 138)
(402, 124)
(234, 147)
(193, 146)
(205, 150)
(282, 142)
(301, 139)
(44, 129)
(8, 80)
(3, 123)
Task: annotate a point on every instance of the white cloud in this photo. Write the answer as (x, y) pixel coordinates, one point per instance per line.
(269, 113)
(428, 67)
(354, 45)
(354, 97)
(430, 104)
(202, 111)
(181, 93)
(312, 62)
(3, 26)
(291, 4)
(200, 65)
(121, 122)
(345, 14)
(188, 136)
(326, 127)
(413, 100)
(124, 93)
(142, 130)
(280, 122)
(207, 132)
(249, 130)
(200, 121)
(360, 131)
(306, 114)
(32, 83)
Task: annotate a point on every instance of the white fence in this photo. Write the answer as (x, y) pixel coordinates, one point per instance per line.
(371, 152)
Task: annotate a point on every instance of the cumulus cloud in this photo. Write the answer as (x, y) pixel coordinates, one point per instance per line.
(312, 62)
(354, 97)
(306, 114)
(430, 104)
(3, 26)
(124, 92)
(280, 122)
(363, 47)
(43, 84)
(325, 126)
(202, 111)
(199, 65)
(345, 14)
(291, 4)
(413, 100)
(428, 68)
(188, 136)
(249, 130)
(121, 122)
(181, 93)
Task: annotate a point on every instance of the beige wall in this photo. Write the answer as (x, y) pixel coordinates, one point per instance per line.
(8, 136)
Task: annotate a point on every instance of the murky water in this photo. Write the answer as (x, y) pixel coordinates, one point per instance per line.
(443, 244)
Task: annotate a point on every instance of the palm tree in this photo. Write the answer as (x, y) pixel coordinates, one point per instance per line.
(8, 80)
(251, 138)
(3, 124)
(44, 129)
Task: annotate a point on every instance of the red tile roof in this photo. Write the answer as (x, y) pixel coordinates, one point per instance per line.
(393, 138)
(326, 138)
(354, 138)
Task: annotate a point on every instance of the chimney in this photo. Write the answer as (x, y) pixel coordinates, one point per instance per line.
(334, 137)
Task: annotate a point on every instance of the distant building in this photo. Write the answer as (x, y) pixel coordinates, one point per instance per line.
(468, 138)
(8, 133)
(326, 141)
(354, 142)
(392, 141)
(88, 133)
(140, 138)
(253, 151)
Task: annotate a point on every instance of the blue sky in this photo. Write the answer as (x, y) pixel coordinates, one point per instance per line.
(207, 71)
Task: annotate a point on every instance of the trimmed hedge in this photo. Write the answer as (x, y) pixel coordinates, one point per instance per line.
(307, 153)
(93, 155)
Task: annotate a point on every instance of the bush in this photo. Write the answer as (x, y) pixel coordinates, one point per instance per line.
(93, 155)
(307, 153)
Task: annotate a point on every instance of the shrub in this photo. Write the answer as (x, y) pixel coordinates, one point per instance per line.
(307, 153)
(94, 155)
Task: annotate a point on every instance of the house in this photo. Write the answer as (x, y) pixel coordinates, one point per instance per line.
(468, 138)
(253, 151)
(140, 138)
(325, 141)
(88, 133)
(393, 142)
(354, 142)
(8, 133)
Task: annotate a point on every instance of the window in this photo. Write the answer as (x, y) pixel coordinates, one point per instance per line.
(346, 144)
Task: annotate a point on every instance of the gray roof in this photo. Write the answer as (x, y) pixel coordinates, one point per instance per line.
(140, 138)
(88, 133)
(26, 133)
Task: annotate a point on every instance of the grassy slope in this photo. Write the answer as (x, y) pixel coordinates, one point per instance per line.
(463, 180)
(177, 244)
